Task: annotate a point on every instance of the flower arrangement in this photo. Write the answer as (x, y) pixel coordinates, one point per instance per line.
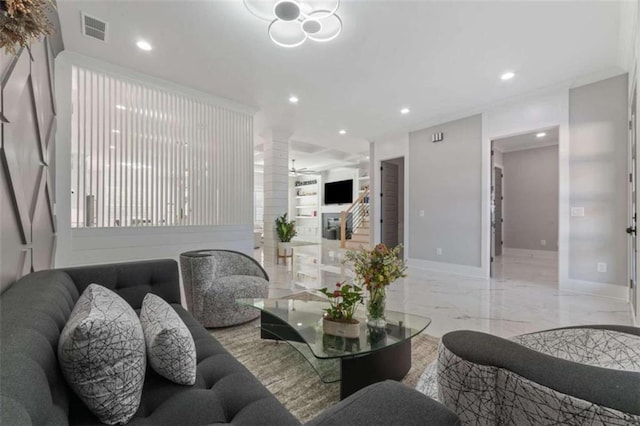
(375, 270)
(22, 22)
(343, 302)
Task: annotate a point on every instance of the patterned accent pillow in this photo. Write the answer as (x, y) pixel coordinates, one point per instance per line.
(170, 346)
(102, 355)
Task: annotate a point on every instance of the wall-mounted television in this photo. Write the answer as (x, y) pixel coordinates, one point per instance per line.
(340, 192)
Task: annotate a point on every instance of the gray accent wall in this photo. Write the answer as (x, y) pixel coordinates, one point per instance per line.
(530, 205)
(445, 182)
(598, 180)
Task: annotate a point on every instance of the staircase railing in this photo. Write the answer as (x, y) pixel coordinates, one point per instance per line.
(359, 211)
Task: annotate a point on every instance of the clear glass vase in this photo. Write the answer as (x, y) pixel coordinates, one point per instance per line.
(376, 306)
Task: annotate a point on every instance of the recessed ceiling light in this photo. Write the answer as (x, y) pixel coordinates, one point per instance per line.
(541, 135)
(508, 75)
(343, 132)
(293, 99)
(116, 131)
(144, 45)
(405, 111)
(121, 107)
(112, 146)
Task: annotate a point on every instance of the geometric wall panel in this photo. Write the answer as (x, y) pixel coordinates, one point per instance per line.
(27, 240)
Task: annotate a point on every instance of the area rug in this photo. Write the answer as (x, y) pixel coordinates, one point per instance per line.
(291, 379)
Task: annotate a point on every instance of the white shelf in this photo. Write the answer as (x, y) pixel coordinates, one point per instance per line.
(307, 185)
(307, 207)
(363, 178)
(306, 217)
(306, 196)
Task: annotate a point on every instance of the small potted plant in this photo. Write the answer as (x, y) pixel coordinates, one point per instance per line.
(286, 231)
(338, 317)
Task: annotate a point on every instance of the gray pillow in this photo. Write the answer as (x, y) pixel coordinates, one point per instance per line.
(170, 346)
(102, 355)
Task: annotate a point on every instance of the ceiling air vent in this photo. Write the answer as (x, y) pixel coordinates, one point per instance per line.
(94, 27)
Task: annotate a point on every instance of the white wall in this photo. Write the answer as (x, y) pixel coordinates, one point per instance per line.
(102, 245)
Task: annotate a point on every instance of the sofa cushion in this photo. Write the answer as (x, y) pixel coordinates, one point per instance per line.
(102, 354)
(170, 348)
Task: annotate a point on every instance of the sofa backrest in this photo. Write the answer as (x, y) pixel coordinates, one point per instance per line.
(132, 280)
(33, 312)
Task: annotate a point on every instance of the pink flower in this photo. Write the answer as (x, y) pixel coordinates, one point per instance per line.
(338, 285)
(336, 293)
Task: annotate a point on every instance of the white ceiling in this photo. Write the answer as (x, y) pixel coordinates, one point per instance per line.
(527, 140)
(436, 57)
(314, 158)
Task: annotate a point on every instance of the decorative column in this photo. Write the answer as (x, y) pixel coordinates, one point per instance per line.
(276, 187)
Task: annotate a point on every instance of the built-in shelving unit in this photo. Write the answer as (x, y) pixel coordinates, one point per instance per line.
(307, 208)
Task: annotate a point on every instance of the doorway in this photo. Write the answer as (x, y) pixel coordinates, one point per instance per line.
(392, 202)
(525, 206)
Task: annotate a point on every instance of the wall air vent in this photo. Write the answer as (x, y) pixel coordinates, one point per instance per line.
(94, 27)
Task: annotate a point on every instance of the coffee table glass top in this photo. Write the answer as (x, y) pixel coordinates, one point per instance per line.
(305, 318)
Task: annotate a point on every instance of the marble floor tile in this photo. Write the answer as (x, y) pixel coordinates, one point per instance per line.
(522, 298)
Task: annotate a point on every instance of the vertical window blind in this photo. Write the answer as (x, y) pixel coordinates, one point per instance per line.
(143, 156)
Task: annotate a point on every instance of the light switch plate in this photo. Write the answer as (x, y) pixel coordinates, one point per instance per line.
(577, 211)
(602, 267)
(421, 213)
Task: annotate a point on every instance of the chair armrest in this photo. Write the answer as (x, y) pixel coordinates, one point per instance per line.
(386, 403)
(602, 386)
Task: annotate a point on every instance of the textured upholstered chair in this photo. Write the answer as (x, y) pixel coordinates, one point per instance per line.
(571, 376)
(214, 279)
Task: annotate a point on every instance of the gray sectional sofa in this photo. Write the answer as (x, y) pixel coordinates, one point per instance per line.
(33, 392)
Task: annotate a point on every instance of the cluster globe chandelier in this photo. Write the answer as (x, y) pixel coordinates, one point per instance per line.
(293, 22)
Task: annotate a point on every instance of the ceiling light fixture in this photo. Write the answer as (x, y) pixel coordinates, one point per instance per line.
(405, 111)
(343, 132)
(293, 99)
(507, 75)
(541, 135)
(122, 107)
(292, 22)
(144, 45)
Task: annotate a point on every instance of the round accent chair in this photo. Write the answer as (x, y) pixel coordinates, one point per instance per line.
(214, 279)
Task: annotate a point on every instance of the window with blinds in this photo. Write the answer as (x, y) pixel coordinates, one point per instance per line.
(143, 156)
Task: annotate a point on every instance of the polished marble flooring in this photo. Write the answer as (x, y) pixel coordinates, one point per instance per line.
(523, 297)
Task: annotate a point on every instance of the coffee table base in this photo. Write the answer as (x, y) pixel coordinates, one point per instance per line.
(356, 372)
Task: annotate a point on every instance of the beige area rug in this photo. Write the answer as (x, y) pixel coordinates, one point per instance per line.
(286, 373)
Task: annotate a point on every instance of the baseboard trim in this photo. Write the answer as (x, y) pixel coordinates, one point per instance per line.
(539, 254)
(611, 291)
(451, 268)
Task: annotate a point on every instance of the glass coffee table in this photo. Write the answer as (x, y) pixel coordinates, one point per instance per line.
(377, 354)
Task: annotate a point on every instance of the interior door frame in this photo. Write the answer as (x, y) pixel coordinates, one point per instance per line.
(562, 204)
(633, 258)
(382, 199)
(375, 196)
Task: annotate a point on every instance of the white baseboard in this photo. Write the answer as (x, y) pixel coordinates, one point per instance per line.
(539, 254)
(452, 268)
(612, 291)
